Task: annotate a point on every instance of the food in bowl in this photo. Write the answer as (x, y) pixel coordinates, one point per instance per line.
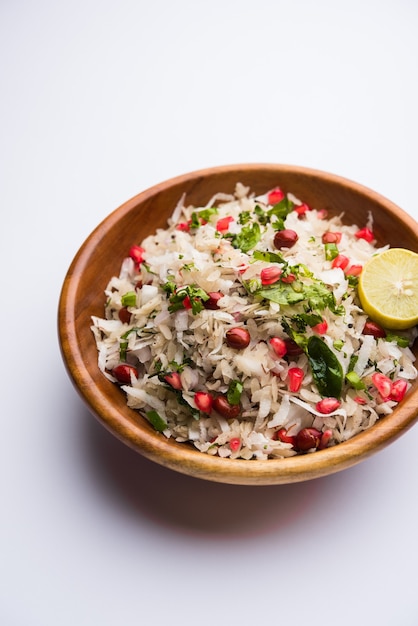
(238, 329)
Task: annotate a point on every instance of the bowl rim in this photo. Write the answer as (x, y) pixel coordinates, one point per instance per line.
(183, 457)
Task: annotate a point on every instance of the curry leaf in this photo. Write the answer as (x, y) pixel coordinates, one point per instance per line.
(326, 368)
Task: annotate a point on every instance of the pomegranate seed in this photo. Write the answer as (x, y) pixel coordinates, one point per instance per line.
(222, 225)
(330, 237)
(137, 254)
(184, 226)
(359, 400)
(124, 315)
(173, 379)
(302, 209)
(320, 328)
(327, 405)
(212, 303)
(275, 196)
(292, 348)
(325, 439)
(224, 408)
(235, 444)
(322, 214)
(270, 275)
(285, 238)
(295, 375)
(284, 437)
(340, 261)
(187, 303)
(279, 346)
(290, 278)
(371, 328)
(365, 233)
(242, 268)
(238, 338)
(308, 438)
(383, 384)
(399, 389)
(123, 372)
(203, 401)
(353, 270)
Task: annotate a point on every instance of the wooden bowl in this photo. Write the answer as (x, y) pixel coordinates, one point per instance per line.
(100, 257)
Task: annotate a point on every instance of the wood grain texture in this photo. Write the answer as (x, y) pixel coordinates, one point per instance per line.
(100, 257)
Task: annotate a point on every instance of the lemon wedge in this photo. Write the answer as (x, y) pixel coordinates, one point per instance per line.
(388, 288)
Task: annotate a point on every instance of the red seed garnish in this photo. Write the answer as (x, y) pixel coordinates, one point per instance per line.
(285, 238)
(270, 275)
(320, 328)
(187, 303)
(238, 338)
(295, 375)
(340, 261)
(173, 379)
(284, 437)
(137, 254)
(279, 346)
(222, 224)
(203, 401)
(123, 372)
(235, 444)
(383, 384)
(330, 237)
(290, 278)
(365, 233)
(371, 328)
(327, 405)
(322, 214)
(325, 439)
(360, 400)
(184, 226)
(302, 209)
(275, 195)
(399, 389)
(224, 408)
(353, 270)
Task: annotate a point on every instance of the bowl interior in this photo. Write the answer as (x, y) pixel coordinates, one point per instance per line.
(100, 257)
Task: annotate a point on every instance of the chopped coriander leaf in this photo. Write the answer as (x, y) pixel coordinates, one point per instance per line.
(352, 280)
(281, 209)
(403, 342)
(244, 217)
(278, 224)
(179, 367)
(262, 216)
(248, 238)
(302, 320)
(206, 214)
(169, 286)
(234, 392)
(195, 296)
(281, 294)
(269, 257)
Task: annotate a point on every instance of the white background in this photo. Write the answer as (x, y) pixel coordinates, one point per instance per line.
(100, 100)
